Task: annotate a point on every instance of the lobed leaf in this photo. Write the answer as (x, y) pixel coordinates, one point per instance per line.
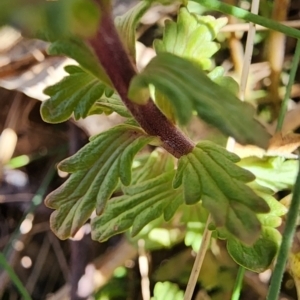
(275, 173)
(82, 53)
(158, 234)
(96, 170)
(110, 104)
(217, 76)
(126, 26)
(159, 162)
(188, 88)
(143, 203)
(167, 291)
(191, 37)
(209, 173)
(261, 254)
(80, 93)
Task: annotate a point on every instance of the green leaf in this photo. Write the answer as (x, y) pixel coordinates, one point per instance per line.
(275, 173)
(157, 163)
(195, 218)
(260, 256)
(85, 17)
(167, 291)
(58, 18)
(191, 89)
(109, 105)
(126, 26)
(142, 203)
(96, 170)
(209, 173)
(277, 210)
(158, 234)
(79, 51)
(165, 106)
(78, 93)
(191, 37)
(217, 75)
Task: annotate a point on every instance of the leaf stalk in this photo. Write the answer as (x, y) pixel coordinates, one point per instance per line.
(110, 51)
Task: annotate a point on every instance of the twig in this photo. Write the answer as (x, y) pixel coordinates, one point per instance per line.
(63, 264)
(276, 40)
(38, 266)
(245, 26)
(104, 267)
(235, 45)
(198, 261)
(144, 270)
(248, 52)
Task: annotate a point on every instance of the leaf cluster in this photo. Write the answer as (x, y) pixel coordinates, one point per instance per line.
(184, 83)
(95, 172)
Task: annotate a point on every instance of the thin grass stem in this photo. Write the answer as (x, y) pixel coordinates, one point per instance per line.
(250, 17)
(238, 285)
(287, 238)
(14, 278)
(198, 261)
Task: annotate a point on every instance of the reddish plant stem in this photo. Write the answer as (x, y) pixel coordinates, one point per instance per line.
(118, 66)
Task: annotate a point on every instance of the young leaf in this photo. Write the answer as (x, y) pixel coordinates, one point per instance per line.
(159, 162)
(275, 173)
(191, 37)
(217, 76)
(188, 88)
(167, 291)
(126, 26)
(260, 256)
(108, 105)
(142, 203)
(77, 93)
(158, 234)
(209, 173)
(96, 170)
(79, 51)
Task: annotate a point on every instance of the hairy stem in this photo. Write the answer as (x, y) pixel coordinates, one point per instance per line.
(120, 69)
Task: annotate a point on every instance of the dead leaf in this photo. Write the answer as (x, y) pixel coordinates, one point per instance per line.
(284, 145)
